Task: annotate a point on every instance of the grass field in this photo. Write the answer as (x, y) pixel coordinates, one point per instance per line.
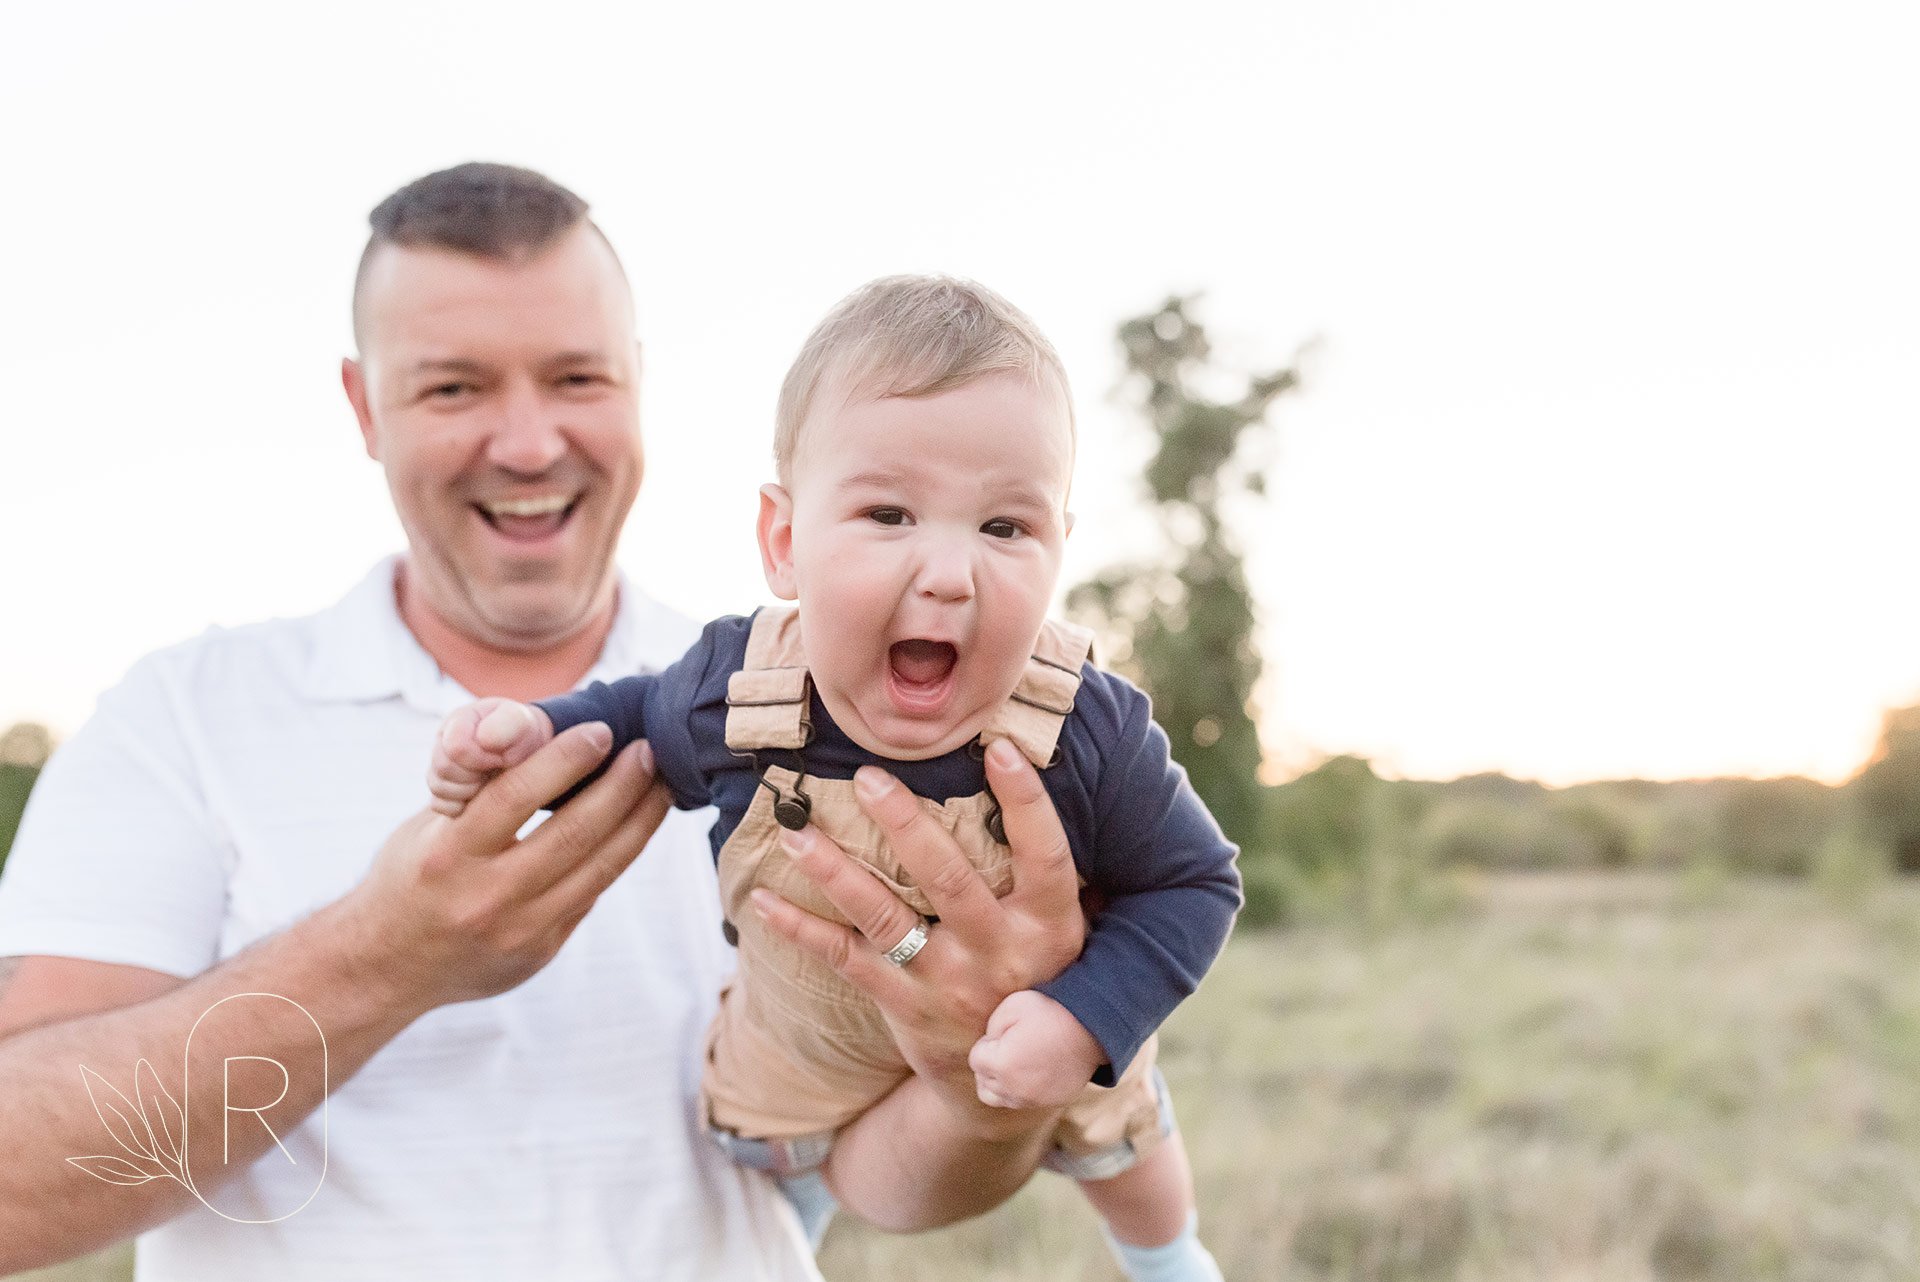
(1602, 1078)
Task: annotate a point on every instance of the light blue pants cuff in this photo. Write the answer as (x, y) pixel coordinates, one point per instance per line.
(810, 1196)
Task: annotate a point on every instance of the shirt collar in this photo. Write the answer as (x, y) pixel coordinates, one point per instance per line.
(363, 652)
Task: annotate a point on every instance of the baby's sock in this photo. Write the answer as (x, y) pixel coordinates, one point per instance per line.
(1181, 1260)
(813, 1200)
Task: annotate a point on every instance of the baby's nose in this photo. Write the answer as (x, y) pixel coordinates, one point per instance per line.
(946, 573)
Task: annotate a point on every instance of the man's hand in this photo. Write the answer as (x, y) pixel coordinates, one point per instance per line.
(1035, 1054)
(476, 743)
(451, 910)
(931, 1153)
(980, 951)
(465, 909)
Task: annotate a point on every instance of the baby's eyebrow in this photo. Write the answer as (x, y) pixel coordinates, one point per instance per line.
(871, 479)
(1018, 492)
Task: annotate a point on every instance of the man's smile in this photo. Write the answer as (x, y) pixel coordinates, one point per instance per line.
(530, 519)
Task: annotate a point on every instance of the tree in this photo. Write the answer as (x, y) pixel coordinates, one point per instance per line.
(1184, 631)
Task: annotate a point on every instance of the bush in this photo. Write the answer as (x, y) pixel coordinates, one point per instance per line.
(1775, 826)
(1888, 789)
(24, 748)
(1321, 820)
(15, 783)
(1272, 891)
(1490, 835)
(1602, 833)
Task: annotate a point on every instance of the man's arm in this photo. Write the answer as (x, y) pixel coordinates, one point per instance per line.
(51, 1210)
(931, 1153)
(452, 910)
(44, 990)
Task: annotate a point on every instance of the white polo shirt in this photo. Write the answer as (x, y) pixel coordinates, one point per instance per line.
(230, 786)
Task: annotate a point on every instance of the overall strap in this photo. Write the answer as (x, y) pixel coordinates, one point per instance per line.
(768, 698)
(1034, 713)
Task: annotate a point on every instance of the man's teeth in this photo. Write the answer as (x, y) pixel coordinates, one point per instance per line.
(529, 507)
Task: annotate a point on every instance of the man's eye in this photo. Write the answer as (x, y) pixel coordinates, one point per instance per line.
(581, 380)
(1001, 529)
(448, 391)
(888, 516)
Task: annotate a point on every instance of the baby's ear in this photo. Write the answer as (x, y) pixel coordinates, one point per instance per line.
(776, 541)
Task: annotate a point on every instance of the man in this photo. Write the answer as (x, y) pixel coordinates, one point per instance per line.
(409, 1046)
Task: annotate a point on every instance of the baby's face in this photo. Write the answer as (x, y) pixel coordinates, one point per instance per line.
(922, 538)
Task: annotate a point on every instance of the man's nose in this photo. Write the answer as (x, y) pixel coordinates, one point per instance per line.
(527, 439)
(946, 569)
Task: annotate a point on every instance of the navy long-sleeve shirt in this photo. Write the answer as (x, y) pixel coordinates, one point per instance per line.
(1163, 871)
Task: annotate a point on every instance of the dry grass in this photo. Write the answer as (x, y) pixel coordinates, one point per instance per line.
(1592, 1078)
(1570, 1079)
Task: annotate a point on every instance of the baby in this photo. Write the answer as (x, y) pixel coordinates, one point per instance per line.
(924, 449)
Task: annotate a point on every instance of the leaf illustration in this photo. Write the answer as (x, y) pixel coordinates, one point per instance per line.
(114, 1170)
(117, 1117)
(166, 1123)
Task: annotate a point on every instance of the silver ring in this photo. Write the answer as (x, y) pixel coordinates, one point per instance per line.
(905, 951)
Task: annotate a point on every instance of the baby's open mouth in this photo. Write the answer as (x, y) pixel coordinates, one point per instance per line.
(921, 664)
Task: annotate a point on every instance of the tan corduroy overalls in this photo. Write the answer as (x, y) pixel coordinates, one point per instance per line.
(796, 1051)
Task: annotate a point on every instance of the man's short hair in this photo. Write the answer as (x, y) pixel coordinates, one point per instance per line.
(500, 212)
(910, 336)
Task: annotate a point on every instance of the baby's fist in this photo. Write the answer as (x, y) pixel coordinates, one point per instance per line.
(476, 743)
(1035, 1054)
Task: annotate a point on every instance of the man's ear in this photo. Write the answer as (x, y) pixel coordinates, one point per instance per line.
(354, 379)
(1069, 529)
(776, 541)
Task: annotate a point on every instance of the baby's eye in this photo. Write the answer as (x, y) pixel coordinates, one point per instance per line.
(888, 516)
(1002, 529)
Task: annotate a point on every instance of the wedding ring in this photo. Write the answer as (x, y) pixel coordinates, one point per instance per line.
(916, 939)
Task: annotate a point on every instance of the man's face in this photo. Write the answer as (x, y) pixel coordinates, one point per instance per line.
(502, 399)
(922, 537)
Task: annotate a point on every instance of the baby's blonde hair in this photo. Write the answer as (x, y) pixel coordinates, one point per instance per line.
(911, 336)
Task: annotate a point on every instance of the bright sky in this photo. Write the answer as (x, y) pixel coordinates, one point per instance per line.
(1604, 466)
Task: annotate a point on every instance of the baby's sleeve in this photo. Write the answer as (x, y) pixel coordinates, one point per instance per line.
(1166, 874)
(655, 706)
